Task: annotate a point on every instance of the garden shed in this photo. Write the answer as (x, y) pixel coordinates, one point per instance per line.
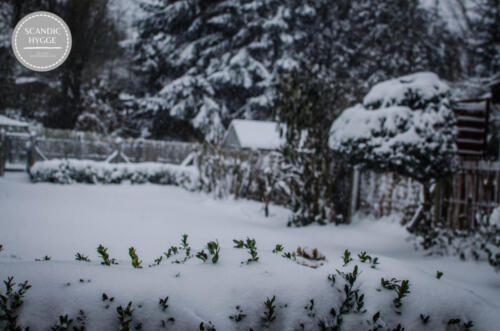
(11, 125)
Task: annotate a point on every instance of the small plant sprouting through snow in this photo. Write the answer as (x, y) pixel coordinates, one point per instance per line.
(310, 309)
(249, 244)
(45, 258)
(390, 284)
(424, 318)
(174, 250)
(401, 291)
(125, 318)
(157, 262)
(213, 249)
(239, 316)
(363, 257)
(136, 263)
(346, 257)
(269, 313)
(63, 324)
(107, 299)
(202, 255)
(207, 327)
(103, 252)
(375, 262)
(439, 274)
(466, 325)
(1, 248)
(11, 301)
(81, 257)
(278, 248)
(164, 305)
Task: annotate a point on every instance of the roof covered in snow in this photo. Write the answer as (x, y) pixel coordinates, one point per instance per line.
(5, 121)
(251, 134)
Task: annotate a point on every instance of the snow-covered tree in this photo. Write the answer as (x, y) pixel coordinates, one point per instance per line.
(485, 38)
(306, 105)
(404, 125)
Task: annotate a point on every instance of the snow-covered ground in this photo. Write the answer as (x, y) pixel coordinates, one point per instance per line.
(59, 221)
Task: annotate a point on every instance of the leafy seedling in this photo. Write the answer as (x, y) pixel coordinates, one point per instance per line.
(81, 257)
(346, 257)
(269, 313)
(424, 318)
(136, 263)
(239, 316)
(103, 252)
(279, 248)
(439, 274)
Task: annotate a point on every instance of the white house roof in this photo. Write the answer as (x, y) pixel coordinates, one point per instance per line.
(257, 134)
(5, 121)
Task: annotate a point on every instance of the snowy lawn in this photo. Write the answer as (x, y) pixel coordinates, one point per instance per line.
(59, 221)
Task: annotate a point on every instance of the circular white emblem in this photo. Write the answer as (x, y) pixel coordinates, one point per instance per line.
(41, 41)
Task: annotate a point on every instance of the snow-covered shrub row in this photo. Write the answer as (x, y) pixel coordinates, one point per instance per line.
(67, 171)
(357, 296)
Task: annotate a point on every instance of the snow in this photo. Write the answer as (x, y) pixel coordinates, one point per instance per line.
(257, 134)
(60, 220)
(5, 121)
(26, 80)
(391, 92)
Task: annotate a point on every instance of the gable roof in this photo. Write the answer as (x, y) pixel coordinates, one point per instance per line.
(253, 134)
(5, 121)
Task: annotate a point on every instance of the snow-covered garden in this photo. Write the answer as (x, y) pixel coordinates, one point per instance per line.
(45, 225)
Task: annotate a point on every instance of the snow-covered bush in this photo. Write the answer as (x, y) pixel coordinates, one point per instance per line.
(404, 125)
(83, 171)
(480, 244)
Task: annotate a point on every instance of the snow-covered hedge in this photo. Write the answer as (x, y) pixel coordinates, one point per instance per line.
(69, 171)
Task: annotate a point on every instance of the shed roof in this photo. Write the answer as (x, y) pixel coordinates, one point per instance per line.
(253, 134)
(6, 121)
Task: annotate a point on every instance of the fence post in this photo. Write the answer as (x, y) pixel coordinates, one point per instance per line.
(354, 193)
(31, 152)
(437, 202)
(3, 146)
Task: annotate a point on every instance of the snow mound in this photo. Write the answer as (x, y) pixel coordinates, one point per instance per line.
(424, 85)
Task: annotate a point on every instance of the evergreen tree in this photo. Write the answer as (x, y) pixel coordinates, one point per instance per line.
(306, 105)
(485, 38)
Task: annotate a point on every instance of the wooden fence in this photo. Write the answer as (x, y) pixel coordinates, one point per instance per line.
(20, 149)
(471, 194)
(462, 201)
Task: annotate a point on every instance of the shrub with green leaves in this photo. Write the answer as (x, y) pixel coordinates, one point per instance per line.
(81, 257)
(103, 253)
(175, 250)
(239, 316)
(136, 263)
(10, 303)
(249, 244)
(126, 318)
(213, 250)
(270, 312)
